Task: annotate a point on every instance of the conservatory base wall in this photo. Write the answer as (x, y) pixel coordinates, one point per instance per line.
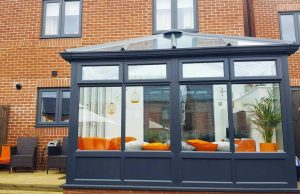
(102, 191)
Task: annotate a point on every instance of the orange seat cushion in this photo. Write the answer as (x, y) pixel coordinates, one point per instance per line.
(88, 143)
(97, 143)
(80, 143)
(156, 146)
(248, 145)
(127, 139)
(5, 154)
(201, 145)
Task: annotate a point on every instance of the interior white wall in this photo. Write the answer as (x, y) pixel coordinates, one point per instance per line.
(135, 114)
(113, 122)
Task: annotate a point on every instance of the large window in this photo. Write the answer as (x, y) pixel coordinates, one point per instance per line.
(61, 18)
(148, 118)
(257, 117)
(99, 122)
(204, 118)
(175, 14)
(140, 94)
(53, 107)
(289, 26)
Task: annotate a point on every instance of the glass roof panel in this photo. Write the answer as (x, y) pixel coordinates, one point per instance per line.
(177, 39)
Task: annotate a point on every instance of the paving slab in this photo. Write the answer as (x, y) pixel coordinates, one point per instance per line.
(28, 182)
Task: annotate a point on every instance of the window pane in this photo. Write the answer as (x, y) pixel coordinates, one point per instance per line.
(202, 70)
(52, 19)
(287, 27)
(72, 19)
(147, 118)
(65, 106)
(100, 73)
(48, 106)
(147, 72)
(257, 117)
(255, 68)
(163, 14)
(204, 118)
(185, 14)
(99, 123)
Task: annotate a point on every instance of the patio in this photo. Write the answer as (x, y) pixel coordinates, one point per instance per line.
(27, 182)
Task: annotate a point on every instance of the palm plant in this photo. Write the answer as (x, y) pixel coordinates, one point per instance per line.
(266, 116)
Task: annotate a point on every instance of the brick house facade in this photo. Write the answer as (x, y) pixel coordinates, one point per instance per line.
(28, 59)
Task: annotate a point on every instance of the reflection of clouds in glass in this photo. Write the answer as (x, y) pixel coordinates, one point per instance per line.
(202, 70)
(147, 72)
(100, 73)
(255, 68)
(185, 14)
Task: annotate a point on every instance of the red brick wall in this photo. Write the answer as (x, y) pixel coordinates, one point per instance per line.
(28, 59)
(267, 26)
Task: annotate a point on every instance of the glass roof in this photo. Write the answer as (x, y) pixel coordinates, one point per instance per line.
(178, 39)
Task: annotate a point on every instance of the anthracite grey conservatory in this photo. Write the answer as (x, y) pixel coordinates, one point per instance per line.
(182, 111)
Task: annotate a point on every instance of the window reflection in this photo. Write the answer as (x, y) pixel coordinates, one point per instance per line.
(72, 20)
(100, 72)
(148, 118)
(99, 124)
(163, 15)
(65, 112)
(254, 68)
(185, 15)
(52, 19)
(204, 118)
(203, 70)
(48, 107)
(136, 72)
(257, 117)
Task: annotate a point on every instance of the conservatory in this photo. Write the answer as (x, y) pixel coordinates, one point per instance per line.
(184, 111)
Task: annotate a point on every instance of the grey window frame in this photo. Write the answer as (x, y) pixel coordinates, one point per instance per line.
(58, 108)
(174, 22)
(296, 15)
(61, 21)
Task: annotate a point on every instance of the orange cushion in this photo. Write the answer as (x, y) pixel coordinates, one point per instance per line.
(105, 144)
(248, 145)
(118, 140)
(88, 143)
(99, 143)
(111, 145)
(155, 146)
(5, 152)
(80, 143)
(201, 145)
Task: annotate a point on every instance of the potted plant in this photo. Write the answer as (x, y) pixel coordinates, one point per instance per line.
(266, 116)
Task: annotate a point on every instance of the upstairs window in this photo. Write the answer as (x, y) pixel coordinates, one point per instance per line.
(175, 14)
(289, 26)
(61, 18)
(53, 107)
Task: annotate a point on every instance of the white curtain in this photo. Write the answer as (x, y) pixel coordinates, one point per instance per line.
(92, 110)
(52, 19)
(163, 14)
(185, 14)
(72, 17)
